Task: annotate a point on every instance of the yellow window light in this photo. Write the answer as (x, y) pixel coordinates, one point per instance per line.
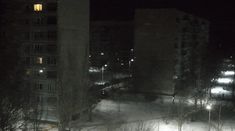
(39, 60)
(37, 7)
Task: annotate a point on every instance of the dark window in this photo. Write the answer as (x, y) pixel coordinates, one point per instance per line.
(38, 35)
(39, 99)
(27, 49)
(51, 6)
(3, 34)
(51, 49)
(185, 17)
(25, 22)
(51, 60)
(51, 74)
(38, 49)
(27, 60)
(51, 20)
(40, 87)
(51, 100)
(52, 35)
(38, 21)
(27, 9)
(26, 36)
(176, 45)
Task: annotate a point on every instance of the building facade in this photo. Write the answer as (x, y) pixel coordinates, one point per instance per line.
(222, 84)
(169, 48)
(55, 54)
(40, 57)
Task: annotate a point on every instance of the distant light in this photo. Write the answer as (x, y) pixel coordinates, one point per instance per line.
(40, 71)
(132, 60)
(231, 65)
(100, 83)
(228, 73)
(94, 69)
(105, 65)
(102, 53)
(175, 77)
(219, 90)
(208, 107)
(224, 80)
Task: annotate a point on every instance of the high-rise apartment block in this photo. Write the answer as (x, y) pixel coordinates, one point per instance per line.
(169, 49)
(55, 52)
(40, 55)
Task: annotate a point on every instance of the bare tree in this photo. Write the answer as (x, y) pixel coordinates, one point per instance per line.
(36, 114)
(93, 97)
(183, 113)
(218, 125)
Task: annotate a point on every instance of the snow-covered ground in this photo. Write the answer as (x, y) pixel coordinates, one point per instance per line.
(157, 125)
(110, 115)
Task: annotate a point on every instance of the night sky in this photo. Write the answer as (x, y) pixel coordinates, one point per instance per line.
(220, 14)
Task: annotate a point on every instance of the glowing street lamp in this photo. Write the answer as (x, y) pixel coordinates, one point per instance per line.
(102, 71)
(208, 107)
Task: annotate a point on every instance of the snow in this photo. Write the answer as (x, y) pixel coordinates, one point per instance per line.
(157, 125)
(114, 115)
(117, 115)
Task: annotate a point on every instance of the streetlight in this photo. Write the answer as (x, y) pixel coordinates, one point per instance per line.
(130, 61)
(102, 71)
(209, 107)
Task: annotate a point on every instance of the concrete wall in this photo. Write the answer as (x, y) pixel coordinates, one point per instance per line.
(73, 43)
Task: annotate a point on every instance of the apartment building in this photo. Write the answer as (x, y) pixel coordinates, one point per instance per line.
(169, 49)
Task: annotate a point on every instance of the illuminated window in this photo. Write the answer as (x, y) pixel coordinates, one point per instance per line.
(37, 7)
(39, 60)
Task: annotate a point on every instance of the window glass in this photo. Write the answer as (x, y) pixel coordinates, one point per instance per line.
(37, 7)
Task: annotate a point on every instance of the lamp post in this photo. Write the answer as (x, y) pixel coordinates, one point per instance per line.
(208, 107)
(102, 72)
(130, 62)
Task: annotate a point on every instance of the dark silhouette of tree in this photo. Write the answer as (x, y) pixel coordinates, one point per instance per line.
(13, 95)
